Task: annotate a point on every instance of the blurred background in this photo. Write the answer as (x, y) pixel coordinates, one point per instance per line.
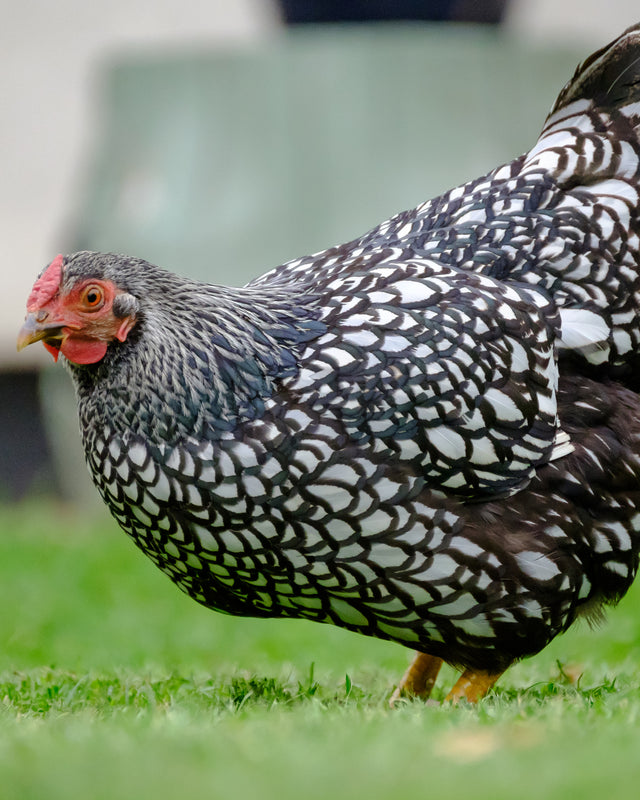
(219, 139)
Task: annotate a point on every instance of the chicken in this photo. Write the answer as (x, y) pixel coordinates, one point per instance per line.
(430, 434)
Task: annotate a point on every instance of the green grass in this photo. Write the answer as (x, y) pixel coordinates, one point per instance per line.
(115, 685)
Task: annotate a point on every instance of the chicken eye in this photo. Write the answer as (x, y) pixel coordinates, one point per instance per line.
(93, 297)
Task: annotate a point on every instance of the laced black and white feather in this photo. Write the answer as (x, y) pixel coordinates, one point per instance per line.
(427, 434)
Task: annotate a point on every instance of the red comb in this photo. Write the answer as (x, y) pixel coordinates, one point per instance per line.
(46, 286)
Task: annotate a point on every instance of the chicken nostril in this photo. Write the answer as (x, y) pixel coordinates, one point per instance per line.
(42, 315)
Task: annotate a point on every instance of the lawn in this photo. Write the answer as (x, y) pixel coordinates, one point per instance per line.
(115, 685)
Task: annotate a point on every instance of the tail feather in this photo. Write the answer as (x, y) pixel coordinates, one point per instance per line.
(610, 77)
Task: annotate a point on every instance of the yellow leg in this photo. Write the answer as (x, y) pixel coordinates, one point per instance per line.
(419, 679)
(472, 685)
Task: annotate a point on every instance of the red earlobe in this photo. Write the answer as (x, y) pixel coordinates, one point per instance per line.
(123, 330)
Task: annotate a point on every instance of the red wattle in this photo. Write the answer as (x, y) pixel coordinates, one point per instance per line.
(55, 352)
(83, 351)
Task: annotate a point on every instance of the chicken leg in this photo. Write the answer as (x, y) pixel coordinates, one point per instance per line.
(472, 685)
(421, 675)
(419, 679)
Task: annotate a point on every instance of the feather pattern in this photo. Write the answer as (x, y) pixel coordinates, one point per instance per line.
(429, 434)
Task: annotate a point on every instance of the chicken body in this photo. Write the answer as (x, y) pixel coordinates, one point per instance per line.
(430, 434)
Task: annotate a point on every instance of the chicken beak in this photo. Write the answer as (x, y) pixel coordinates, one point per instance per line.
(34, 331)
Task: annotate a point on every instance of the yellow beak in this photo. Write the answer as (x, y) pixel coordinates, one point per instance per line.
(34, 331)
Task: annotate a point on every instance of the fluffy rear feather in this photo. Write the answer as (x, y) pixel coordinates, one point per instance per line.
(610, 77)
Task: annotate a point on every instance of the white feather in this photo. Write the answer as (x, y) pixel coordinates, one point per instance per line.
(583, 330)
(561, 446)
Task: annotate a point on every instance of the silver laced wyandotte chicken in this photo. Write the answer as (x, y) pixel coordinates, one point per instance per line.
(430, 434)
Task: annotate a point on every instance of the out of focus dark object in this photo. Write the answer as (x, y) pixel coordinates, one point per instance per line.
(25, 465)
(297, 12)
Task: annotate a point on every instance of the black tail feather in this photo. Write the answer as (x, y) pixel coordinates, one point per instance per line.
(610, 76)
